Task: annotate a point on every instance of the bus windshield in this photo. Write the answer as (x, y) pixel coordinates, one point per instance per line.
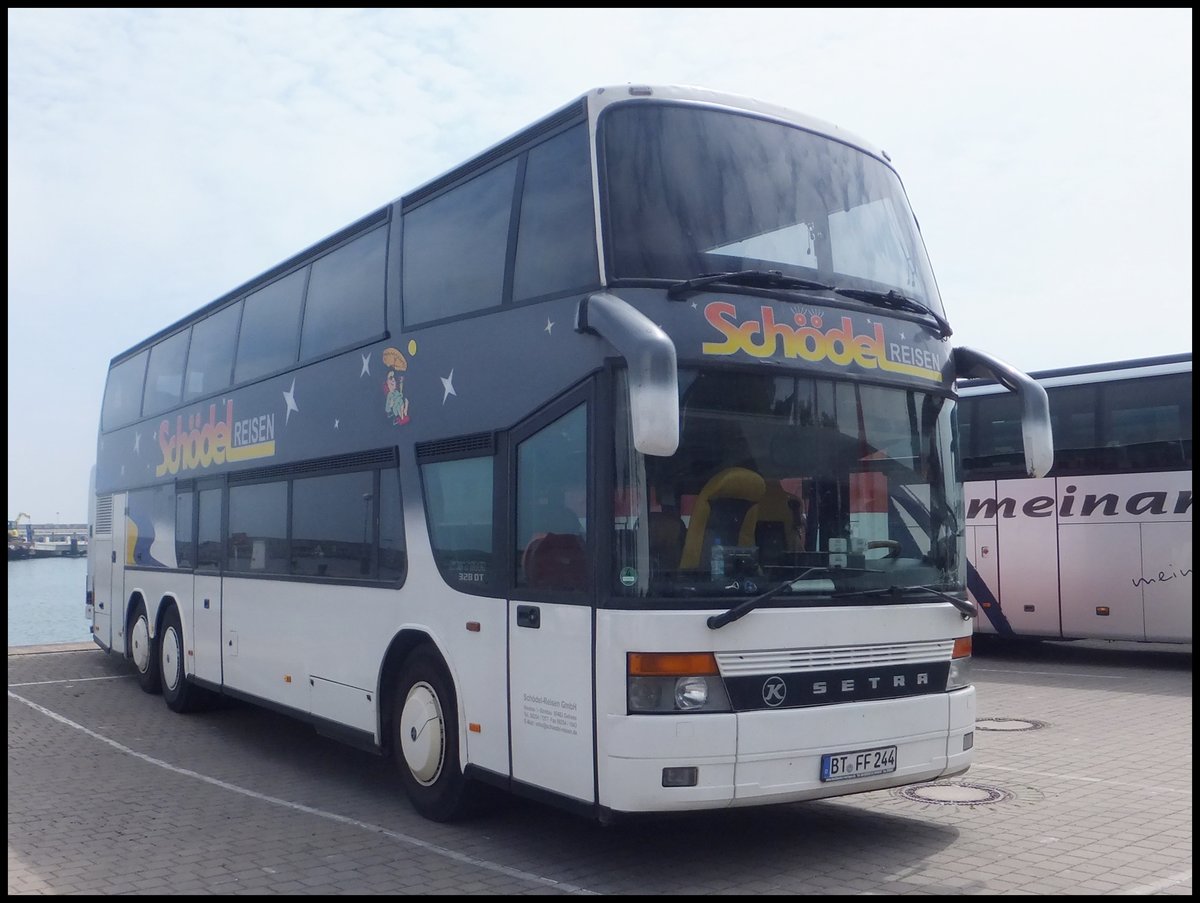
(832, 487)
(691, 192)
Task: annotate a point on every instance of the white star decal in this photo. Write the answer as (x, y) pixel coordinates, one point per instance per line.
(366, 367)
(137, 444)
(289, 398)
(448, 386)
(549, 326)
(695, 306)
(336, 422)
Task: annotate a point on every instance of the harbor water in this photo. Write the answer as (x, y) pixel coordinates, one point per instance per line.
(46, 601)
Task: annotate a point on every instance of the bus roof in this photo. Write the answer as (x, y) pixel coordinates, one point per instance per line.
(1089, 373)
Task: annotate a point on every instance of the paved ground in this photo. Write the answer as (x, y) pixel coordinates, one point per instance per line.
(1082, 785)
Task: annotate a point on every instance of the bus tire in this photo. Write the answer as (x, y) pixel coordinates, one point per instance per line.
(180, 694)
(143, 651)
(425, 738)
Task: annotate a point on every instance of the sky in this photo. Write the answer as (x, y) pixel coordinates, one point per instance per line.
(158, 158)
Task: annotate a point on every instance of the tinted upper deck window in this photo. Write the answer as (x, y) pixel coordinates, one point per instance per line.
(455, 248)
(556, 243)
(164, 374)
(123, 392)
(345, 296)
(210, 360)
(270, 328)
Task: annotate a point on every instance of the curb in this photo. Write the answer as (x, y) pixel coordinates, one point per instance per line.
(52, 647)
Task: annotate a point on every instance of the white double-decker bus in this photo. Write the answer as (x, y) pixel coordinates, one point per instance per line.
(615, 467)
(1101, 548)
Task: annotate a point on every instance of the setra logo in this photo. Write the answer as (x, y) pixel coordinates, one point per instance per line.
(774, 691)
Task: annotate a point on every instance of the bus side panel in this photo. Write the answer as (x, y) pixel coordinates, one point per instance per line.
(550, 701)
(1098, 562)
(206, 627)
(476, 657)
(268, 627)
(1167, 586)
(1027, 546)
(1126, 546)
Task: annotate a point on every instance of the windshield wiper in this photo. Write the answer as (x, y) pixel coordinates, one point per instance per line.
(715, 622)
(966, 606)
(763, 278)
(896, 301)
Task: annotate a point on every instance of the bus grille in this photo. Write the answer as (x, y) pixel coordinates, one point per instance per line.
(104, 506)
(777, 661)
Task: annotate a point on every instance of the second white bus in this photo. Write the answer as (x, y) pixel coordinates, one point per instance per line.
(1101, 548)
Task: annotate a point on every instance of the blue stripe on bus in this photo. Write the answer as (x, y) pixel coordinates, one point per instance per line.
(987, 600)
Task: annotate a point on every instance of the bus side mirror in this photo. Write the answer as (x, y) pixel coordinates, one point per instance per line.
(649, 354)
(1036, 433)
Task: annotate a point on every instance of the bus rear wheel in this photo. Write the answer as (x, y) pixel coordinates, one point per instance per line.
(425, 738)
(179, 693)
(143, 652)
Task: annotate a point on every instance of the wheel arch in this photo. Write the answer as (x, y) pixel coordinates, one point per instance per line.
(131, 606)
(168, 599)
(154, 617)
(403, 645)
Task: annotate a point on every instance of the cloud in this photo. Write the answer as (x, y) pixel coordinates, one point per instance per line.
(158, 158)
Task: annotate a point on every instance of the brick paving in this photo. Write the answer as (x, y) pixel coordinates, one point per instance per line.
(110, 793)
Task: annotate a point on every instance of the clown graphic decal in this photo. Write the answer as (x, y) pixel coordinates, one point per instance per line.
(395, 403)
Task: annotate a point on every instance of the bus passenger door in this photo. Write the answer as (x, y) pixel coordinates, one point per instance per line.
(550, 620)
(206, 588)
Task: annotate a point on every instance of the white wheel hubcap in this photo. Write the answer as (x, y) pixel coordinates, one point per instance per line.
(170, 657)
(140, 638)
(422, 733)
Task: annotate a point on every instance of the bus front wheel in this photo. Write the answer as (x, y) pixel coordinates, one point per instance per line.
(425, 738)
(142, 651)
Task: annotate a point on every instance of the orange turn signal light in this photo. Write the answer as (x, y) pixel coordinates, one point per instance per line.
(672, 664)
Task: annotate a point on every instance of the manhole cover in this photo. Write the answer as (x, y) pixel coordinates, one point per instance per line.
(1008, 724)
(954, 793)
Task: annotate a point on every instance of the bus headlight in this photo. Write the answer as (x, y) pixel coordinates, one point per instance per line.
(662, 682)
(691, 692)
(960, 665)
